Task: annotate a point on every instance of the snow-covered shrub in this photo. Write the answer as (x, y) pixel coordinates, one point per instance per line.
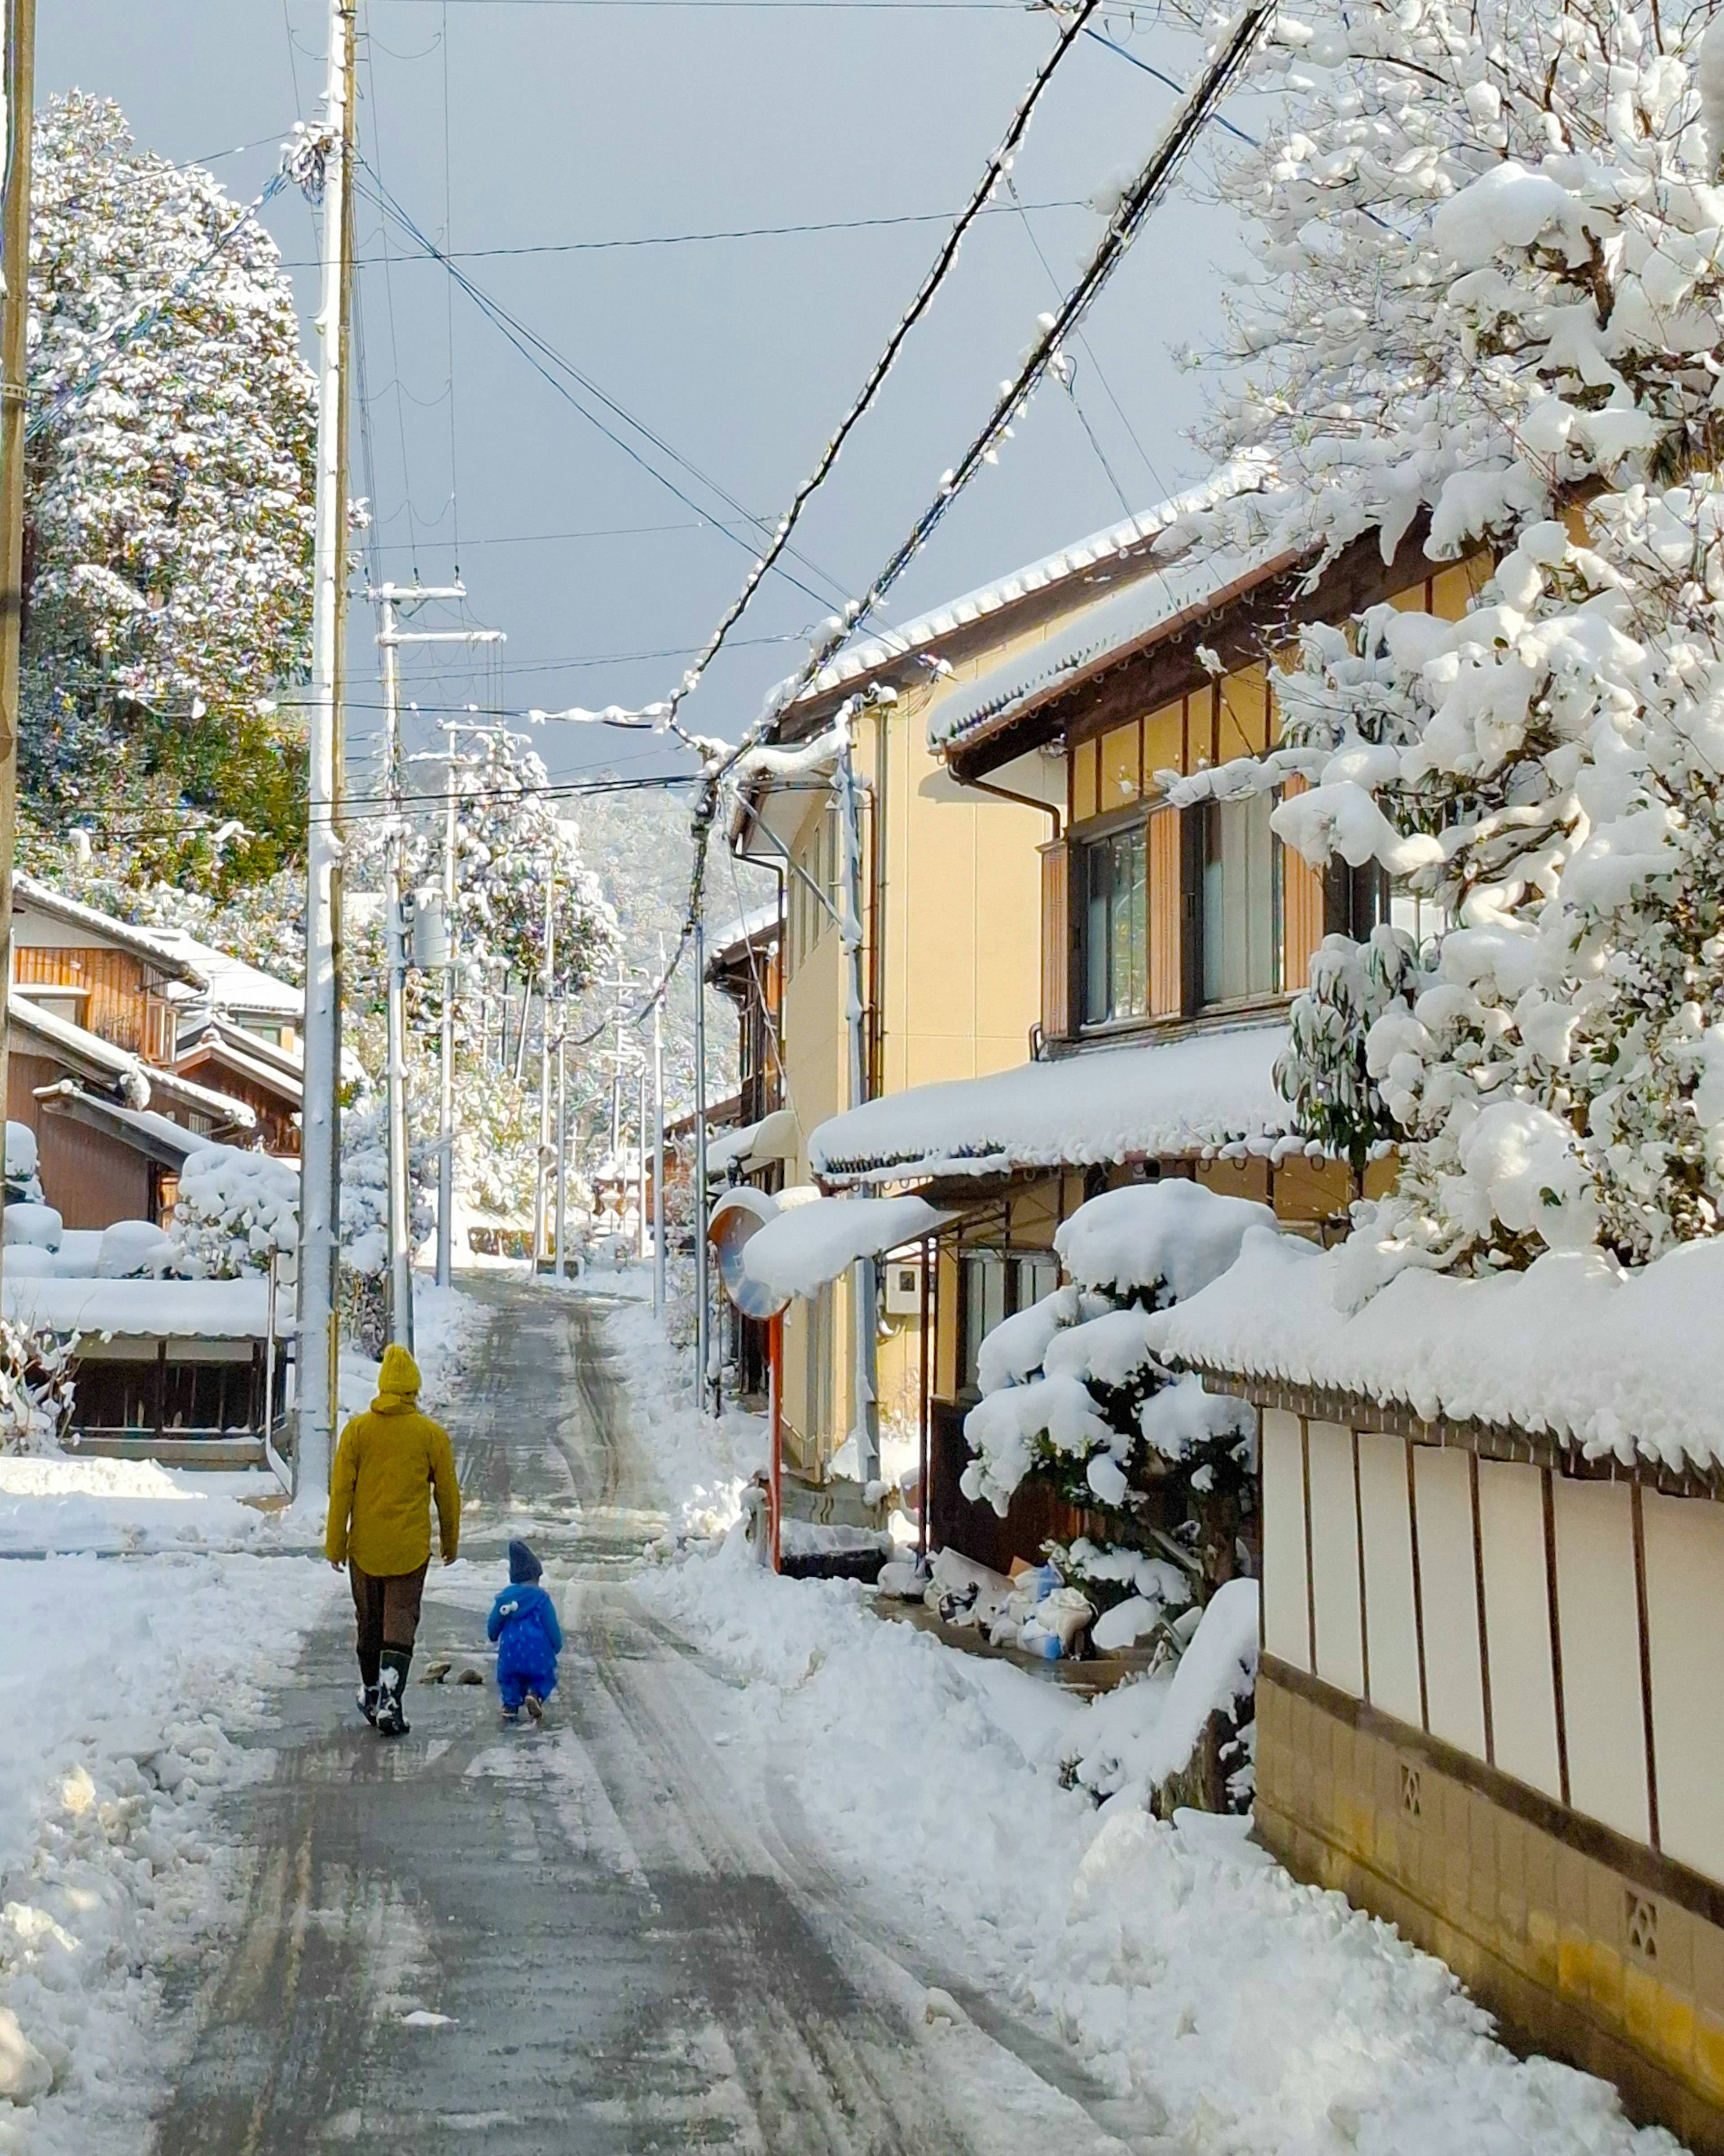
(235, 1208)
(1325, 1070)
(35, 1388)
(1074, 1396)
(1491, 292)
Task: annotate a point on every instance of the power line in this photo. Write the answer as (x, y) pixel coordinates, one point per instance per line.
(998, 167)
(704, 238)
(549, 538)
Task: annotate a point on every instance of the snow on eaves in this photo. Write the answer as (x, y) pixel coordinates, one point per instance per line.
(233, 985)
(1624, 1363)
(148, 1309)
(82, 1047)
(30, 896)
(799, 1250)
(1202, 1094)
(1190, 582)
(1244, 475)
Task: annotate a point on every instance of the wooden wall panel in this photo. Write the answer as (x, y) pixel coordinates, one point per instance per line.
(1335, 1558)
(1685, 1622)
(1302, 907)
(1286, 1618)
(1391, 1612)
(1166, 898)
(1449, 1580)
(114, 1004)
(1056, 941)
(1600, 1619)
(1517, 1636)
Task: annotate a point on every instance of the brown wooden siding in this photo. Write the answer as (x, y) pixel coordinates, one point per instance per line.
(1166, 986)
(118, 1002)
(275, 1125)
(92, 1180)
(1302, 909)
(1056, 941)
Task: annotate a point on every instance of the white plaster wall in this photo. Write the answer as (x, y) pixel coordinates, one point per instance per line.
(1334, 1558)
(1685, 1626)
(1286, 1628)
(1453, 1671)
(1517, 1624)
(1601, 1654)
(1391, 1629)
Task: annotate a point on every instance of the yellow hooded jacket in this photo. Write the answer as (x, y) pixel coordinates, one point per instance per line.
(388, 1463)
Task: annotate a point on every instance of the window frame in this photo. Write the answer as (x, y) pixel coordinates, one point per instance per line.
(1130, 822)
(1199, 1004)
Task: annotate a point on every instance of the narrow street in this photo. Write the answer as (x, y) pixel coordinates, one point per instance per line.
(626, 1955)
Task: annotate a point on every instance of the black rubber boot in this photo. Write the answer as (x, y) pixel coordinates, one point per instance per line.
(391, 1692)
(367, 1701)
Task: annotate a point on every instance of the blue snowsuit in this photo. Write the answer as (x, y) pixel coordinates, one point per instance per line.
(523, 1623)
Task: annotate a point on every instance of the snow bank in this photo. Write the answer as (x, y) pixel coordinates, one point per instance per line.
(807, 1245)
(1234, 2009)
(1575, 1348)
(120, 1691)
(1209, 1093)
(49, 1504)
(703, 1465)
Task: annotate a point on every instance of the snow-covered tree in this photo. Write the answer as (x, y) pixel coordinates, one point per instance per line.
(1490, 309)
(1074, 1396)
(169, 507)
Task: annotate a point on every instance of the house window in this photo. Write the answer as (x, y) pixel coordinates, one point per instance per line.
(996, 1287)
(1240, 902)
(1114, 926)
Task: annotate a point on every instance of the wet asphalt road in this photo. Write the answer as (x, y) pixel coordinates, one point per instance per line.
(628, 1958)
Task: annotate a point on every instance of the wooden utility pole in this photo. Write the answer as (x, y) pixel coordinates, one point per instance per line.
(14, 315)
(320, 1135)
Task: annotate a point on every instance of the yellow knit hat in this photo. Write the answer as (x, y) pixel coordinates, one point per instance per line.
(400, 1373)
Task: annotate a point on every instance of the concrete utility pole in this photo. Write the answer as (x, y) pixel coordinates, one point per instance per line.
(640, 1163)
(658, 1140)
(702, 1318)
(446, 1049)
(320, 1135)
(390, 640)
(864, 1279)
(542, 1191)
(14, 311)
(563, 1135)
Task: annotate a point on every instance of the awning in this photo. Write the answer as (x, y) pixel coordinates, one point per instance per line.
(150, 1309)
(800, 1250)
(773, 1138)
(1194, 1095)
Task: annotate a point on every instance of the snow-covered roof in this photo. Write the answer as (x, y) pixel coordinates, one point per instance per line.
(803, 1248)
(29, 896)
(259, 1061)
(149, 1309)
(879, 647)
(758, 925)
(80, 1047)
(157, 1137)
(233, 984)
(1196, 1095)
(773, 1138)
(1156, 604)
(1574, 1347)
(202, 1100)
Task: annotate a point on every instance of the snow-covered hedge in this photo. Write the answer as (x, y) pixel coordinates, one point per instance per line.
(1075, 1395)
(235, 1208)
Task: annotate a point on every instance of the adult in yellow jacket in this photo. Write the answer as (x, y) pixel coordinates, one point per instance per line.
(389, 1464)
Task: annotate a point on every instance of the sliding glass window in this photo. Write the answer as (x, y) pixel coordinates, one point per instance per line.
(1114, 926)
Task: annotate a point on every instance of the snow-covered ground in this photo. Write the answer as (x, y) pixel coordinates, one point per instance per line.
(703, 1465)
(123, 1684)
(1242, 2011)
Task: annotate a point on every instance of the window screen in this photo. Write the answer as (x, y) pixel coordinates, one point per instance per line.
(1240, 908)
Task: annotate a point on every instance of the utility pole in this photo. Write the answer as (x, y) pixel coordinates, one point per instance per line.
(541, 1190)
(14, 315)
(702, 1318)
(446, 1057)
(563, 1135)
(320, 1136)
(640, 1164)
(390, 640)
(658, 1140)
(864, 1285)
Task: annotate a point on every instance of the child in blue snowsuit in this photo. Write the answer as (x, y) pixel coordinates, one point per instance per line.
(523, 1623)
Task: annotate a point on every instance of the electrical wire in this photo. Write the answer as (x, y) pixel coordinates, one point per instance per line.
(543, 358)
(996, 170)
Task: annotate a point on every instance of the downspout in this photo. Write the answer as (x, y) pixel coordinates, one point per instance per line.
(1005, 794)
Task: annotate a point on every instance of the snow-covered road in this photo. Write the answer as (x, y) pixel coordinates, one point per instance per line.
(607, 1946)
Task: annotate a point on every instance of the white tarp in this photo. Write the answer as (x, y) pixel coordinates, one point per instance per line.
(801, 1250)
(1193, 1095)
